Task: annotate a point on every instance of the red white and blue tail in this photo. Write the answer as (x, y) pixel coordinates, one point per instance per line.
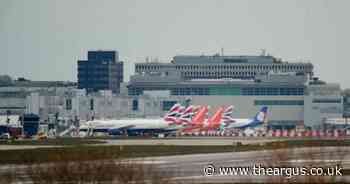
(172, 115)
(227, 115)
(186, 116)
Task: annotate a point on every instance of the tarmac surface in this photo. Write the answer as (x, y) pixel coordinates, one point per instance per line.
(209, 141)
(21, 147)
(190, 168)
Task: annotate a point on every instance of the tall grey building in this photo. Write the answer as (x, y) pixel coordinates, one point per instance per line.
(101, 71)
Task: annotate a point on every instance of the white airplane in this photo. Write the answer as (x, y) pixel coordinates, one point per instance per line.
(172, 121)
(234, 123)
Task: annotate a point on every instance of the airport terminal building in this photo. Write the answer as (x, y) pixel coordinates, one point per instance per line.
(294, 96)
(290, 91)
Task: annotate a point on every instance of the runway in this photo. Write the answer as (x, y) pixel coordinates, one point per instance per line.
(190, 168)
(203, 141)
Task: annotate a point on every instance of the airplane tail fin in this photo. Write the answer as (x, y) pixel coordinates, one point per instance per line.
(227, 115)
(186, 115)
(199, 118)
(261, 116)
(228, 111)
(215, 120)
(173, 113)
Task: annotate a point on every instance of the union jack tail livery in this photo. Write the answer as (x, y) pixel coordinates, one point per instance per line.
(173, 113)
(227, 115)
(186, 116)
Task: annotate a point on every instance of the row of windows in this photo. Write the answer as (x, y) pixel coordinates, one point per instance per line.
(278, 102)
(238, 91)
(225, 73)
(232, 91)
(273, 91)
(190, 91)
(326, 101)
(135, 91)
(240, 67)
(229, 67)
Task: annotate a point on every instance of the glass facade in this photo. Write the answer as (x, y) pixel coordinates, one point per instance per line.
(100, 72)
(326, 101)
(225, 91)
(103, 55)
(273, 91)
(278, 102)
(135, 105)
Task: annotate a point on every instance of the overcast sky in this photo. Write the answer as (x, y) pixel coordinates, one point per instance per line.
(43, 39)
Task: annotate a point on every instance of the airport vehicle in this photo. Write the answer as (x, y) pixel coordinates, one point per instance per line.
(172, 121)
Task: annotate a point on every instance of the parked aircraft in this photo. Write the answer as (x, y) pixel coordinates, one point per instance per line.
(234, 123)
(201, 122)
(171, 122)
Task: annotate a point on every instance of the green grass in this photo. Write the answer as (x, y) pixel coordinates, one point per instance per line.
(89, 152)
(54, 142)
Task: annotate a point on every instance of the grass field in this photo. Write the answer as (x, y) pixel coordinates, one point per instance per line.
(67, 163)
(79, 151)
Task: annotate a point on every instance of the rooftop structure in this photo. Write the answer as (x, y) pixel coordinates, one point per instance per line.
(241, 67)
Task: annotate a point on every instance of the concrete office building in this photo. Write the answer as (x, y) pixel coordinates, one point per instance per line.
(101, 71)
(322, 101)
(13, 95)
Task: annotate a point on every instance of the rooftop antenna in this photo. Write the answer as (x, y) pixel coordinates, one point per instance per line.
(263, 52)
(222, 51)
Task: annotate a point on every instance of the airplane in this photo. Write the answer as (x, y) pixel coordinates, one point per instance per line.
(199, 123)
(246, 124)
(171, 122)
(214, 122)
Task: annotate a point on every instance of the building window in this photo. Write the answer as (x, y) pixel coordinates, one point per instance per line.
(91, 104)
(278, 102)
(68, 104)
(135, 105)
(167, 105)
